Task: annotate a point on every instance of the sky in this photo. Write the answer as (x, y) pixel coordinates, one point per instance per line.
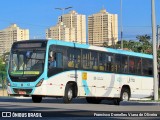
(38, 15)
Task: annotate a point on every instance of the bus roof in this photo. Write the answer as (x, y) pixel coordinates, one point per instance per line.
(86, 46)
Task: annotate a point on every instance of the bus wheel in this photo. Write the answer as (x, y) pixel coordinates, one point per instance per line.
(68, 95)
(93, 100)
(36, 99)
(125, 95)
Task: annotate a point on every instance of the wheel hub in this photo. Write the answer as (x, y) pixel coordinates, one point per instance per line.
(125, 96)
(70, 94)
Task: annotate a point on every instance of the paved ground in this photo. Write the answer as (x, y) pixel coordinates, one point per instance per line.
(79, 107)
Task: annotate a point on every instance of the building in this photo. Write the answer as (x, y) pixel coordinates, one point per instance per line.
(61, 32)
(103, 28)
(74, 22)
(11, 34)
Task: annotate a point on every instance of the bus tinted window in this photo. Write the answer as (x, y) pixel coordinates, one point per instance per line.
(124, 64)
(138, 65)
(110, 62)
(102, 62)
(131, 65)
(59, 60)
(89, 60)
(117, 64)
(74, 58)
(106, 62)
(147, 67)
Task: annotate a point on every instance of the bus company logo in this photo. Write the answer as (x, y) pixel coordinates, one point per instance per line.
(6, 114)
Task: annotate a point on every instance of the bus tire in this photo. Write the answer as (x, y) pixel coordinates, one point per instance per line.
(36, 99)
(93, 100)
(68, 95)
(125, 94)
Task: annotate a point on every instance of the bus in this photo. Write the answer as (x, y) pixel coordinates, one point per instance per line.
(81, 70)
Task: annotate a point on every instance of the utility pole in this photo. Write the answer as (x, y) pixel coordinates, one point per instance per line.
(158, 36)
(154, 50)
(121, 25)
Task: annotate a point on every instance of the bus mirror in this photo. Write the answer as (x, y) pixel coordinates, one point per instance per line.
(51, 54)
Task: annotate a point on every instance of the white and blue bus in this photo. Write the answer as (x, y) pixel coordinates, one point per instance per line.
(81, 70)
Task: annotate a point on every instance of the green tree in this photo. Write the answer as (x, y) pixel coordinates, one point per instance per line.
(2, 65)
(146, 45)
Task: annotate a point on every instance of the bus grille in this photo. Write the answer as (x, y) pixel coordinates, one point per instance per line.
(28, 91)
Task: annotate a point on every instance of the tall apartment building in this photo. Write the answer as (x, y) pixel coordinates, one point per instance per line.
(11, 34)
(61, 32)
(76, 23)
(103, 28)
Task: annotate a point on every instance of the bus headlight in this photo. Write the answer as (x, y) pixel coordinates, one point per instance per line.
(40, 82)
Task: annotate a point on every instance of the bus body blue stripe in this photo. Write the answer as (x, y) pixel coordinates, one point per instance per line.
(85, 86)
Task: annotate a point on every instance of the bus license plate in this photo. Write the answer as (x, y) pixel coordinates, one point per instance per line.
(22, 92)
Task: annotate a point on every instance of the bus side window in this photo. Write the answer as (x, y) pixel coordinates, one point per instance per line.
(131, 65)
(110, 62)
(117, 63)
(74, 58)
(102, 64)
(138, 67)
(94, 60)
(147, 67)
(150, 68)
(124, 64)
(59, 60)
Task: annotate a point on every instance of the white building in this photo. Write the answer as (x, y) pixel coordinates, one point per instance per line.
(11, 34)
(61, 32)
(102, 28)
(73, 24)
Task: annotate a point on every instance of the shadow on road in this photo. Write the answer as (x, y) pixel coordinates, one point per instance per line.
(49, 100)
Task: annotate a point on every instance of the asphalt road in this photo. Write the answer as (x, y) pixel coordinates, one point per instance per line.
(52, 107)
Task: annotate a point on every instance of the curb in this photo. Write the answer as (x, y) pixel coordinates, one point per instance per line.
(130, 103)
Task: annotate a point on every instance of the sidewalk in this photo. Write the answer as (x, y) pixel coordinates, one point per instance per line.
(3, 92)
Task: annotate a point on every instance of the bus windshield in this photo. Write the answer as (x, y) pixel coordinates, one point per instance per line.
(26, 62)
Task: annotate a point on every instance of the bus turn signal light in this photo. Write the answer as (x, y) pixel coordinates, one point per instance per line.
(40, 83)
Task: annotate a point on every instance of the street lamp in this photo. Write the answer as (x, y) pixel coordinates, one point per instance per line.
(63, 9)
